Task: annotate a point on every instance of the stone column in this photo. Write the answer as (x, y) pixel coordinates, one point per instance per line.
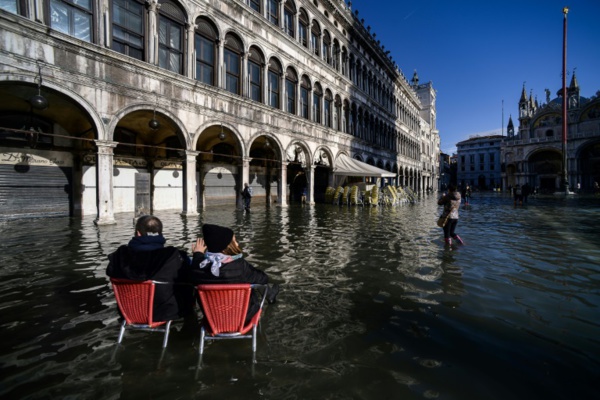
(190, 66)
(153, 8)
(190, 190)
(220, 65)
(281, 15)
(265, 84)
(104, 177)
(282, 189)
(245, 76)
(311, 184)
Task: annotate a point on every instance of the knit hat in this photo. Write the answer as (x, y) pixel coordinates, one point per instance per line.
(216, 237)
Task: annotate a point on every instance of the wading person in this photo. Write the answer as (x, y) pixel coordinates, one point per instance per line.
(218, 258)
(146, 257)
(247, 196)
(451, 203)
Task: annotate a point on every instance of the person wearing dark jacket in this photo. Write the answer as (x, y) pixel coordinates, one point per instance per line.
(451, 203)
(145, 257)
(218, 258)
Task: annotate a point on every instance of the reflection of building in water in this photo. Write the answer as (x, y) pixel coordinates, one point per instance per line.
(534, 155)
(202, 96)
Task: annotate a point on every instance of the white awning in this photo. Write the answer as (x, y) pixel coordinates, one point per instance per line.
(347, 166)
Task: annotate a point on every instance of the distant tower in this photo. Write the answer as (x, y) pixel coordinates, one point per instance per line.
(524, 111)
(573, 93)
(510, 129)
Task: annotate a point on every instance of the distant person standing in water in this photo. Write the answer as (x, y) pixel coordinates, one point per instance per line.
(518, 194)
(451, 203)
(247, 196)
(467, 195)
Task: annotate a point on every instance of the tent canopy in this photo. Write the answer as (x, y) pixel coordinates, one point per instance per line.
(347, 166)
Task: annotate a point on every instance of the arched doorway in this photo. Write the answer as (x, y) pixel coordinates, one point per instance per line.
(545, 168)
(44, 134)
(297, 158)
(264, 170)
(219, 166)
(147, 163)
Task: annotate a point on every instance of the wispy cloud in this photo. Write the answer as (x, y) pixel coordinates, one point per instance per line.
(410, 14)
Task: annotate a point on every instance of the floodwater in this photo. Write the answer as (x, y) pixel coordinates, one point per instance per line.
(373, 306)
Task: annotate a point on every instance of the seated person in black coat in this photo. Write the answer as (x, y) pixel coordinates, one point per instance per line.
(218, 258)
(145, 257)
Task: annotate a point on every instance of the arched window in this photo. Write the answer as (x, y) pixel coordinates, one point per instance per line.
(327, 101)
(232, 56)
(346, 120)
(291, 82)
(274, 86)
(327, 47)
(317, 99)
(315, 35)
(289, 10)
(335, 60)
(353, 121)
(303, 28)
(344, 61)
(128, 28)
(72, 17)
(304, 99)
(273, 11)
(255, 74)
(337, 114)
(205, 38)
(171, 20)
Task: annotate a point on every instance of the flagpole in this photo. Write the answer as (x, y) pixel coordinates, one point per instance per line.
(565, 179)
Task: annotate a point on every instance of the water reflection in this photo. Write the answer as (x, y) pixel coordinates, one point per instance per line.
(373, 305)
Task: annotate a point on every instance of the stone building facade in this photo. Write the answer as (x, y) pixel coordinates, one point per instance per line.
(534, 154)
(110, 106)
(479, 162)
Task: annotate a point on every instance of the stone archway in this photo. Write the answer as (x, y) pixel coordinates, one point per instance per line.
(544, 169)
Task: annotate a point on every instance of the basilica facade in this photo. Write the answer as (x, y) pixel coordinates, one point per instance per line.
(111, 106)
(534, 154)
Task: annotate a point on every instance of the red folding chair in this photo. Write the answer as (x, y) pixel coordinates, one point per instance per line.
(225, 307)
(135, 300)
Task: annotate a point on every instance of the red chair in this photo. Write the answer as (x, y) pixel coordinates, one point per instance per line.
(135, 300)
(225, 307)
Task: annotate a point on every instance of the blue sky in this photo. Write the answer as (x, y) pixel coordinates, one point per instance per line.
(478, 53)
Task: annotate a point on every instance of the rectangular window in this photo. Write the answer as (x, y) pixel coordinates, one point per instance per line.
(314, 43)
(304, 102)
(232, 71)
(128, 28)
(255, 86)
(72, 17)
(288, 22)
(302, 33)
(327, 111)
(205, 60)
(273, 12)
(170, 55)
(290, 92)
(12, 6)
(255, 5)
(273, 90)
(316, 108)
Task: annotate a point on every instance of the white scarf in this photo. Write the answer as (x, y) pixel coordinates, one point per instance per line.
(216, 259)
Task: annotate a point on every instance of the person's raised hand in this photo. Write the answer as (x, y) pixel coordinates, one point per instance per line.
(199, 246)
